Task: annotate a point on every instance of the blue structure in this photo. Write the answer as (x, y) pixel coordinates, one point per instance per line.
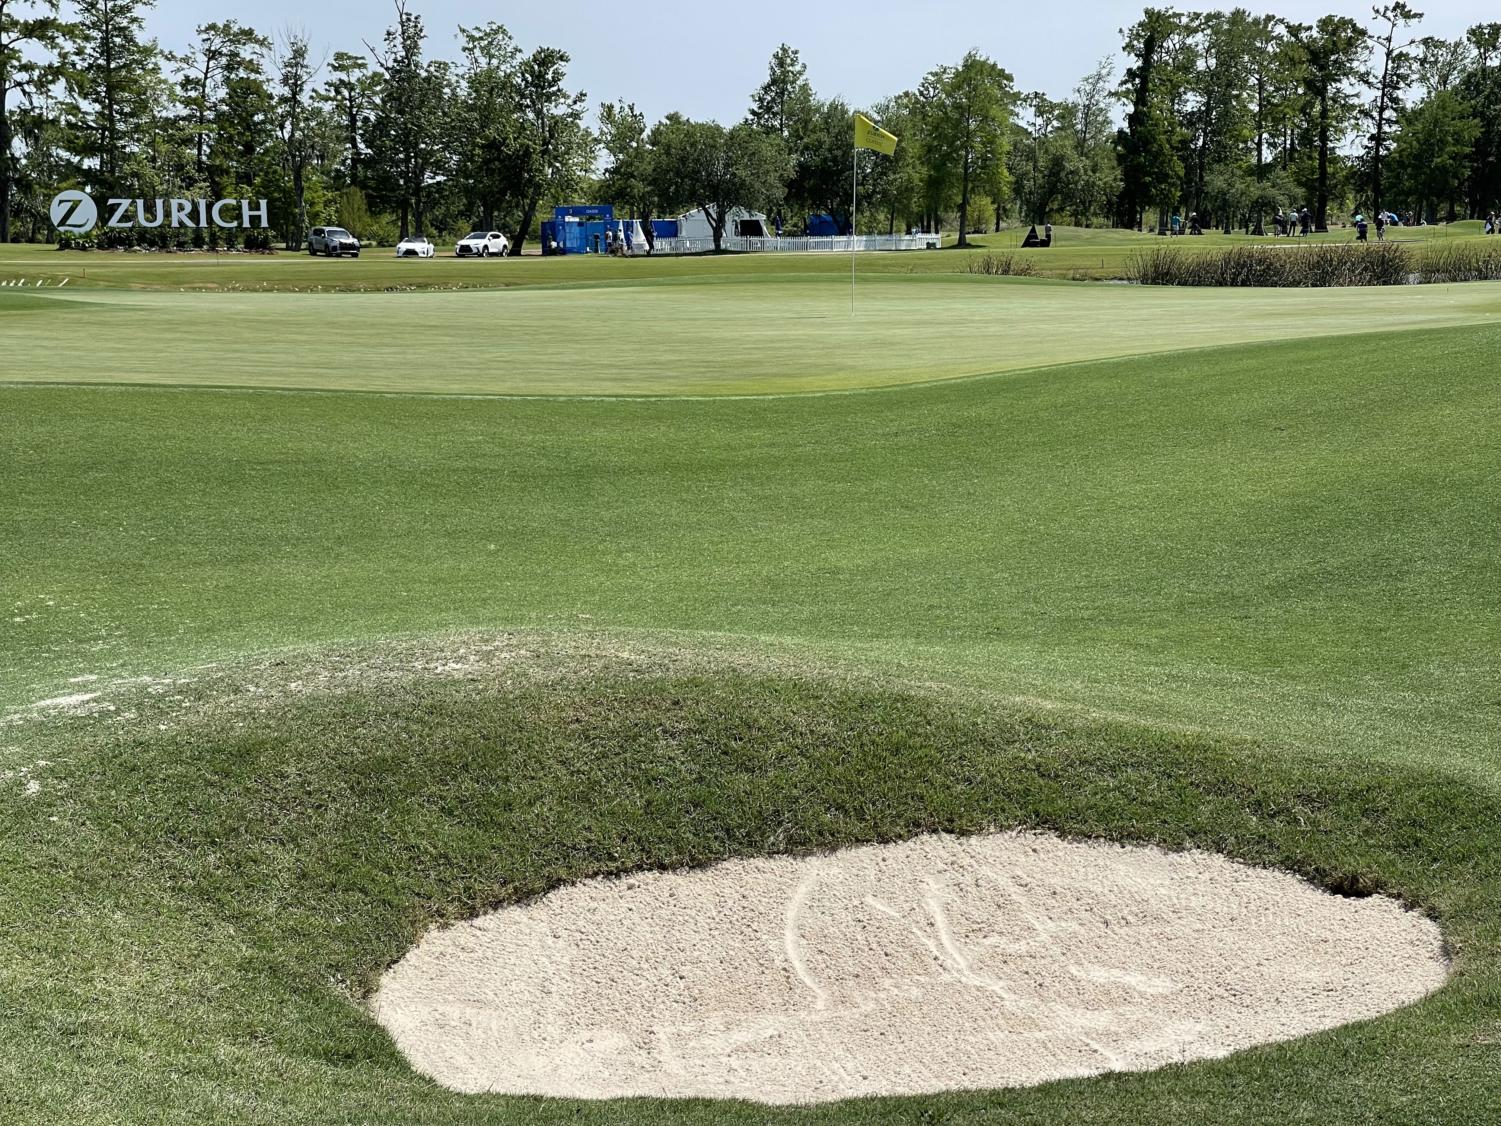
(579, 229)
(822, 226)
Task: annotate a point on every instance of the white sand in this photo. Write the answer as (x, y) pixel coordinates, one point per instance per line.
(937, 964)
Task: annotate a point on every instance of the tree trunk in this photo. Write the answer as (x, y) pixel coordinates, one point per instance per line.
(964, 205)
(528, 213)
(4, 164)
(299, 188)
(1376, 141)
(1321, 204)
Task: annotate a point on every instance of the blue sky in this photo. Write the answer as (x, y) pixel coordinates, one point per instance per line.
(686, 61)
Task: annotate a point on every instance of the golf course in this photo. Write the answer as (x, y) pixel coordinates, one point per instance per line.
(344, 601)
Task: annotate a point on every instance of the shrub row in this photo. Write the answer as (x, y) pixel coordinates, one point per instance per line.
(1464, 262)
(1001, 266)
(1319, 266)
(168, 238)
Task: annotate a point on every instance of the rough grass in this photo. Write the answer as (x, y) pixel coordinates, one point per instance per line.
(216, 871)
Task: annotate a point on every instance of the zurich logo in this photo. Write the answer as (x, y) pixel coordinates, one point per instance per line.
(74, 213)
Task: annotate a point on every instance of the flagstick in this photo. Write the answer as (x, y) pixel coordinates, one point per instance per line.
(854, 207)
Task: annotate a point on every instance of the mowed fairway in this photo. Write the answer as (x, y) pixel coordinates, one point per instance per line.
(722, 335)
(287, 679)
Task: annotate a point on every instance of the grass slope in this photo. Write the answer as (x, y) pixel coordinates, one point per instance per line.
(771, 335)
(201, 894)
(1290, 540)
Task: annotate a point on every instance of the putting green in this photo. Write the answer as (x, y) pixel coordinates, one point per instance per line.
(772, 336)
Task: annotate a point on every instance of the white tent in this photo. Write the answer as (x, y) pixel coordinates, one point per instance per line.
(696, 224)
(629, 231)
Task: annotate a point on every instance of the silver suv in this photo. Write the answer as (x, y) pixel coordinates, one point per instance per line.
(333, 241)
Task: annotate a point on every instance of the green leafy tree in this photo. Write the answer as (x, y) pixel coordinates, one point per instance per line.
(243, 152)
(1480, 89)
(43, 162)
(222, 50)
(31, 37)
(485, 121)
(783, 105)
(1332, 54)
(296, 71)
(1222, 116)
(1432, 156)
(551, 149)
(408, 131)
(1396, 63)
(1148, 145)
(823, 166)
(969, 123)
(1044, 163)
(895, 184)
(702, 164)
(1087, 118)
(112, 78)
(627, 177)
(350, 96)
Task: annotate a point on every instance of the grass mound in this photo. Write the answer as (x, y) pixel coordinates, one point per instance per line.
(212, 871)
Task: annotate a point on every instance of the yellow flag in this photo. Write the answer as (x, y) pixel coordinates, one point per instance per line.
(869, 135)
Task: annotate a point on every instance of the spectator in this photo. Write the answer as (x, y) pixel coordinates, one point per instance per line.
(1381, 226)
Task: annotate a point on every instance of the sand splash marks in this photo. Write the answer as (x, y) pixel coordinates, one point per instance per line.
(937, 964)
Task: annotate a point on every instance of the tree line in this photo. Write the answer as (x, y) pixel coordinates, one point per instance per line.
(1227, 116)
(1233, 116)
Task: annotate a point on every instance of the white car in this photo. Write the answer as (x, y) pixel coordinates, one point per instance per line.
(483, 244)
(416, 246)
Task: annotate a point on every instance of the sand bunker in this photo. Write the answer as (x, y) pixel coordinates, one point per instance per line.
(938, 964)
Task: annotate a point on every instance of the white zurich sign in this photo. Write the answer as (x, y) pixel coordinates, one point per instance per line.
(75, 213)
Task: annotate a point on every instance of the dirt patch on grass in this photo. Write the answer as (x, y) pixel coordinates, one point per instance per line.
(938, 964)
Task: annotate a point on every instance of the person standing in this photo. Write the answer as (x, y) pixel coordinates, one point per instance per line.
(1380, 226)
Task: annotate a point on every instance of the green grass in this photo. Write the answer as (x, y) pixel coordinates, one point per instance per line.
(224, 881)
(765, 334)
(1240, 598)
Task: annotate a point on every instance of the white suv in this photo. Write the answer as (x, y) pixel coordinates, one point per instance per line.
(483, 244)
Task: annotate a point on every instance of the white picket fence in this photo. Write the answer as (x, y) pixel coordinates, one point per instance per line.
(829, 244)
